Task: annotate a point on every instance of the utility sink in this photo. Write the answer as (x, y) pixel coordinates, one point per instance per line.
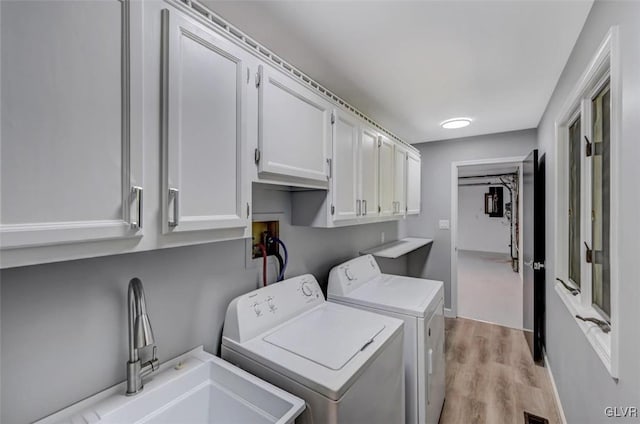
(197, 388)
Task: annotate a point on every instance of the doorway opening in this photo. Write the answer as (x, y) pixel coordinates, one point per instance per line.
(486, 238)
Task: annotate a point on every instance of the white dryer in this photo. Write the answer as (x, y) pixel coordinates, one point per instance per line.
(347, 364)
(420, 304)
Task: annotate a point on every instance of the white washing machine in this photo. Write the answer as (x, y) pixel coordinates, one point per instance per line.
(347, 364)
(420, 304)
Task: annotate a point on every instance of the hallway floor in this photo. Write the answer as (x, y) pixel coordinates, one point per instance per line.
(488, 289)
(491, 377)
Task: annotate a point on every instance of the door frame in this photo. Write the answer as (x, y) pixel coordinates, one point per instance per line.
(511, 160)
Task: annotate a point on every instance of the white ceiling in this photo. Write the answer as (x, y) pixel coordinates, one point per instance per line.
(411, 64)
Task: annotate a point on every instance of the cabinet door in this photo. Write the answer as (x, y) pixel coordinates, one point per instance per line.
(203, 128)
(344, 187)
(399, 180)
(386, 174)
(71, 122)
(293, 128)
(368, 165)
(413, 184)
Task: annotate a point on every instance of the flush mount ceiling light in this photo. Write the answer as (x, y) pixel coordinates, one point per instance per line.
(454, 123)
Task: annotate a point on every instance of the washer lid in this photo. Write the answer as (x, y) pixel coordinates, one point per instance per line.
(327, 336)
(404, 295)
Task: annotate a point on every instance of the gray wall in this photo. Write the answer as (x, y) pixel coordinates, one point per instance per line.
(436, 190)
(584, 385)
(477, 230)
(63, 325)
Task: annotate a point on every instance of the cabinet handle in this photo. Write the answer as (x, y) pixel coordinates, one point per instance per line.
(137, 194)
(364, 205)
(330, 163)
(358, 207)
(175, 194)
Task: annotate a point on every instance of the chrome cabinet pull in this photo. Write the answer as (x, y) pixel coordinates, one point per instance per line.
(136, 191)
(364, 205)
(358, 207)
(174, 194)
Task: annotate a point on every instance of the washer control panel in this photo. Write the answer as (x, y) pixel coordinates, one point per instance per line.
(267, 307)
(352, 274)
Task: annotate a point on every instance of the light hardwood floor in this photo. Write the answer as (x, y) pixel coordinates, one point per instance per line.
(491, 376)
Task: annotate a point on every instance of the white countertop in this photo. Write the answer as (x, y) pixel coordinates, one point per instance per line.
(397, 248)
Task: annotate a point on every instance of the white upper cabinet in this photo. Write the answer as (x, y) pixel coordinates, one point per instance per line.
(368, 166)
(294, 130)
(413, 184)
(345, 176)
(71, 122)
(386, 161)
(399, 180)
(203, 135)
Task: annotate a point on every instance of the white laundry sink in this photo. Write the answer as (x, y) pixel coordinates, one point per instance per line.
(197, 388)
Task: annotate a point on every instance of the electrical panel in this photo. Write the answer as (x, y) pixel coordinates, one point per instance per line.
(493, 202)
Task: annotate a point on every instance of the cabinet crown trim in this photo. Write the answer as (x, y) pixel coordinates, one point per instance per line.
(220, 25)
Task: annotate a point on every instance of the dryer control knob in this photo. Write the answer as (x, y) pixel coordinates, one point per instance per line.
(348, 274)
(306, 290)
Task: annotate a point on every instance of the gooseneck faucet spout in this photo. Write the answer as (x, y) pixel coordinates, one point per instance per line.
(140, 336)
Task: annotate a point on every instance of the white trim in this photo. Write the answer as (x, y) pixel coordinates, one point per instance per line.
(484, 321)
(454, 217)
(15, 236)
(453, 228)
(605, 61)
(556, 395)
(600, 341)
(615, 87)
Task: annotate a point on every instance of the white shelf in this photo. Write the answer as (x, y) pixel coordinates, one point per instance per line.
(397, 248)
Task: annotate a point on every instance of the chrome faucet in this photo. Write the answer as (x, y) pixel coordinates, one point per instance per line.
(140, 335)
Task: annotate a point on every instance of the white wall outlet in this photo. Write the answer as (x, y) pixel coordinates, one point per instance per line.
(382, 237)
(443, 224)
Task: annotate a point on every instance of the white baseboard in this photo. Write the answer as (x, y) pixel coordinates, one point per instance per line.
(555, 389)
(489, 322)
(449, 313)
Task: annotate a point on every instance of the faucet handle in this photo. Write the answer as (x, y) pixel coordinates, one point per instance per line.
(151, 365)
(155, 363)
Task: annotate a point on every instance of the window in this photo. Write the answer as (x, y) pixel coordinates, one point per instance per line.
(574, 202)
(586, 186)
(588, 206)
(600, 198)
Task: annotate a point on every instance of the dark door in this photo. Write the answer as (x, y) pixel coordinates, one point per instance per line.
(534, 253)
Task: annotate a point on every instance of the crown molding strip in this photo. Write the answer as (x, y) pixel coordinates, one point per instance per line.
(220, 25)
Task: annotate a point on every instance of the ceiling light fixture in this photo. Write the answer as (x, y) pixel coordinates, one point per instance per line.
(455, 123)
